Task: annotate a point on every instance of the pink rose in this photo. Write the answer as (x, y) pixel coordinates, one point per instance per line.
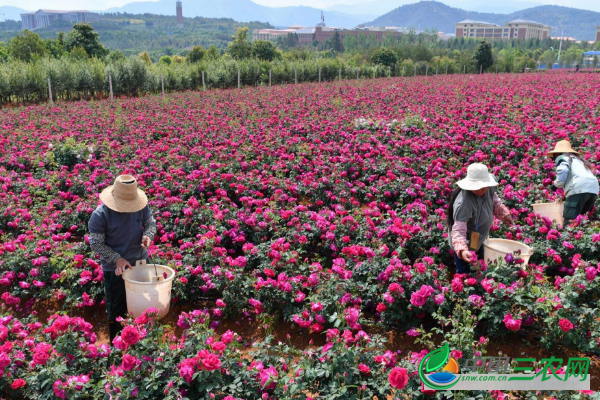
(565, 325)
(398, 378)
(18, 383)
(211, 362)
(511, 323)
(365, 370)
(130, 335)
(129, 362)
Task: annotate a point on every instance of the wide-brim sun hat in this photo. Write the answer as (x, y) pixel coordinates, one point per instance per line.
(564, 146)
(124, 196)
(478, 177)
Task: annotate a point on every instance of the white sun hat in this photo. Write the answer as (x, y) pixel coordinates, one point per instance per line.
(478, 177)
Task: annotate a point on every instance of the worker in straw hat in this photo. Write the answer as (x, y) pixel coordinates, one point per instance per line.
(576, 176)
(121, 230)
(473, 206)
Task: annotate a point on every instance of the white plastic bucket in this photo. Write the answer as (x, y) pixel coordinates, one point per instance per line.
(146, 287)
(553, 211)
(495, 249)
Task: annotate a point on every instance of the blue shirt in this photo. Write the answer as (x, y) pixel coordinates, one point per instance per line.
(114, 235)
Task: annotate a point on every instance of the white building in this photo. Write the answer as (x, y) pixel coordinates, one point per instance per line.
(43, 18)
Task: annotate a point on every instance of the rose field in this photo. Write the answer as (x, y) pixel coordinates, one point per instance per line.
(306, 225)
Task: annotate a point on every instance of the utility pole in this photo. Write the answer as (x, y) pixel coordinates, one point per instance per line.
(560, 46)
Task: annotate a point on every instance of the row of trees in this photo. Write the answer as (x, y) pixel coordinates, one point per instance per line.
(27, 82)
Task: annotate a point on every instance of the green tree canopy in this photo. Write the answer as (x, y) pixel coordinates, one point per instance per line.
(264, 50)
(196, 54)
(165, 60)
(115, 56)
(240, 47)
(27, 46)
(145, 57)
(84, 36)
(384, 56)
(483, 55)
(336, 42)
(213, 53)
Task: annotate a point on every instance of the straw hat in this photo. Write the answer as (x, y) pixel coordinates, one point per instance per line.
(124, 196)
(564, 146)
(478, 177)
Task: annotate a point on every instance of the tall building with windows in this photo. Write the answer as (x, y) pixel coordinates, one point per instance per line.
(524, 29)
(480, 29)
(517, 29)
(43, 18)
(179, 10)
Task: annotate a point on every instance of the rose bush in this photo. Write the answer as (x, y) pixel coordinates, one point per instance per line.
(319, 205)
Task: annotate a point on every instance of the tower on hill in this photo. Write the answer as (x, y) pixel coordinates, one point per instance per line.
(179, 14)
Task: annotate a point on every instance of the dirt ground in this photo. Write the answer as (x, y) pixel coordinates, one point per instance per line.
(252, 332)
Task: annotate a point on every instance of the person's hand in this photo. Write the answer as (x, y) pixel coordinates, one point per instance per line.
(466, 256)
(121, 265)
(508, 220)
(146, 242)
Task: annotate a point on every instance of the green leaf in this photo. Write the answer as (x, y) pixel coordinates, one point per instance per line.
(437, 358)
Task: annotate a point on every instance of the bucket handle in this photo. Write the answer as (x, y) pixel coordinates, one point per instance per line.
(140, 263)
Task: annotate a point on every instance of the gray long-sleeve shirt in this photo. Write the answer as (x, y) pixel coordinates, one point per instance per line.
(114, 235)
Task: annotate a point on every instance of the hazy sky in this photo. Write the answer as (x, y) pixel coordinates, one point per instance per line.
(103, 4)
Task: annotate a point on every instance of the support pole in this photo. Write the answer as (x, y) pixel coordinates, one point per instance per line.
(464, 69)
(389, 71)
(402, 70)
(50, 91)
(436, 69)
(162, 84)
(269, 78)
(415, 70)
(319, 74)
(239, 80)
(481, 69)
(427, 70)
(295, 76)
(446, 69)
(203, 82)
(357, 73)
(110, 86)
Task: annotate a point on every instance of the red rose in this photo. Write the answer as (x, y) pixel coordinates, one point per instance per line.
(18, 383)
(129, 362)
(365, 370)
(211, 362)
(565, 325)
(130, 335)
(40, 357)
(398, 378)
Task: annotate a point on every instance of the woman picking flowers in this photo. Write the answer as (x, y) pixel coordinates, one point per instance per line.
(473, 206)
(576, 177)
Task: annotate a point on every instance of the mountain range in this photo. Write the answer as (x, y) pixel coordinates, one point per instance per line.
(380, 7)
(245, 11)
(580, 24)
(577, 23)
(10, 12)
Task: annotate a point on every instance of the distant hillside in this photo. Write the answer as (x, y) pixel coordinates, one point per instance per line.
(380, 7)
(580, 24)
(157, 34)
(244, 11)
(9, 12)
